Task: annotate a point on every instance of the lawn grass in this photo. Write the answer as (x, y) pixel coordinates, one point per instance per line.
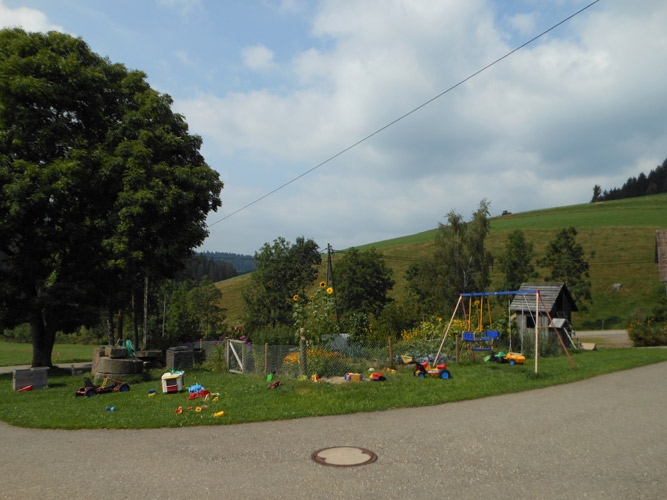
(248, 399)
(13, 353)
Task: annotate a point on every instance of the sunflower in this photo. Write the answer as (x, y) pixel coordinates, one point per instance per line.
(296, 298)
(312, 297)
(329, 290)
(323, 284)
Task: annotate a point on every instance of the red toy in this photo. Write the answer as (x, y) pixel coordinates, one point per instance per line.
(202, 393)
(423, 369)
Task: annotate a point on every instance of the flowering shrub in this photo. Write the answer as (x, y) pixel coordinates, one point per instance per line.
(320, 361)
(316, 314)
(422, 339)
(648, 333)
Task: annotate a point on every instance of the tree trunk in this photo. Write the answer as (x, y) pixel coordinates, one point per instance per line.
(120, 325)
(145, 342)
(110, 328)
(42, 341)
(135, 317)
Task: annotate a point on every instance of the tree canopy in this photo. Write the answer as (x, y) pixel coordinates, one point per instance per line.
(363, 281)
(102, 185)
(459, 263)
(283, 270)
(565, 259)
(642, 185)
(516, 261)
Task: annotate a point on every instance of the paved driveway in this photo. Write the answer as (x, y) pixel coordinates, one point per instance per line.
(603, 438)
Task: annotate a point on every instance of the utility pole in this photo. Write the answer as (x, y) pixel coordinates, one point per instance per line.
(330, 281)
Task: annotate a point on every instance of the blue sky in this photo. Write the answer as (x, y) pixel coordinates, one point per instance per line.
(277, 87)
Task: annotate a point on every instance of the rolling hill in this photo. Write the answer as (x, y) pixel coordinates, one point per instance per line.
(621, 234)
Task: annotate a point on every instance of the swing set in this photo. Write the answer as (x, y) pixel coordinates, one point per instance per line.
(479, 338)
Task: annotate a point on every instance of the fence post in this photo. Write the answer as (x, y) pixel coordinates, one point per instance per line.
(457, 348)
(303, 353)
(391, 355)
(266, 358)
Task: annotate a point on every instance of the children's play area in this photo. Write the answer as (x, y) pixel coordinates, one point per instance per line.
(479, 337)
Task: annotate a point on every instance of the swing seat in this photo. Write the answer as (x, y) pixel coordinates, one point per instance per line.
(491, 335)
(468, 336)
(471, 338)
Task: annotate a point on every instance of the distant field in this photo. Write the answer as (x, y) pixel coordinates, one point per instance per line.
(21, 354)
(620, 233)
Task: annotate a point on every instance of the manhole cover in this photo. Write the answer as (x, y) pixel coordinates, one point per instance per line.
(344, 456)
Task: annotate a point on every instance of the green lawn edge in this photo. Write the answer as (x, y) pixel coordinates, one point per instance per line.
(247, 399)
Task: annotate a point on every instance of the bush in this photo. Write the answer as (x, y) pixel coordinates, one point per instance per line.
(216, 358)
(320, 361)
(648, 333)
(280, 335)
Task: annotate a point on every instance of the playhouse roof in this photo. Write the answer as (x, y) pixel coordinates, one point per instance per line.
(549, 292)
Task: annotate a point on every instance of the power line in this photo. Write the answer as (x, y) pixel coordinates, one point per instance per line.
(381, 129)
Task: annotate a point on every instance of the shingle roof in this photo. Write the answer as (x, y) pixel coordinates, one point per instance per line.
(549, 292)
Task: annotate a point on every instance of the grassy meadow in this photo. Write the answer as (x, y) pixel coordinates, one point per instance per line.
(620, 233)
(13, 353)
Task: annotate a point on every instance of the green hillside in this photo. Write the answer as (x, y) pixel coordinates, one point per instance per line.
(620, 233)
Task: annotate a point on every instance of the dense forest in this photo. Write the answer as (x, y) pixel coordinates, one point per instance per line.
(219, 266)
(653, 183)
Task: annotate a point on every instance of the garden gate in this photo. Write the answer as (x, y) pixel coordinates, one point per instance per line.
(235, 355)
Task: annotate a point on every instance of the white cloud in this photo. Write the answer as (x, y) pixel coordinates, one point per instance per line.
(524, 24)
(258, 58)
(537, 130)
(29, 19)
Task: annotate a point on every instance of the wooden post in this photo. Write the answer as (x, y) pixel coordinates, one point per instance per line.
(391, 355)
(457, 348)
(243, 349)
(266, 358)
(537, 326)
(303, 353)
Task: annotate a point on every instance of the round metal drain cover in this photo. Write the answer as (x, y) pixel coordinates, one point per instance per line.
(344, 456)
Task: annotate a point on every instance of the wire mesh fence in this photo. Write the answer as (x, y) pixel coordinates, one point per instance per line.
(340, 355)
(329, 359)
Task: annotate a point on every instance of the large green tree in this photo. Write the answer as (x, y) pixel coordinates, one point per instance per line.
(362, 282)
(517, 261)
(459, 263)
(101, 185)
(282, 271)
(566, 262)
(193, 312)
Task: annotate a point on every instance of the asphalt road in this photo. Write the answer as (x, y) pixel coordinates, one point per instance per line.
(602, 438)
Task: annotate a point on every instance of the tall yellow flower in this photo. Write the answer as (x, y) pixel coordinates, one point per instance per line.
(296, 298)
(329, 290)
(323, 284)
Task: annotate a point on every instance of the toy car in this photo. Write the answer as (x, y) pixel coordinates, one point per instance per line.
(424, 369)
(514, 358)
(108, 385)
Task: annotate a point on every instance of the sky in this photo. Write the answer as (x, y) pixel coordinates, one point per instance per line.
(305, 107)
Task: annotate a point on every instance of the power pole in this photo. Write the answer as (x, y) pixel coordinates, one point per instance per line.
(330, 281)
